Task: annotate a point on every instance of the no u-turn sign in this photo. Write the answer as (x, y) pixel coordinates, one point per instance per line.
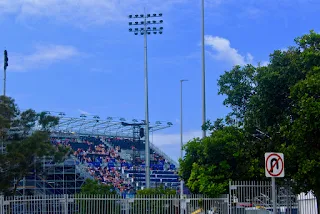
(274, 164)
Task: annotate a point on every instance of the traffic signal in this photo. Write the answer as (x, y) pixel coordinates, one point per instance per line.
(6, 59)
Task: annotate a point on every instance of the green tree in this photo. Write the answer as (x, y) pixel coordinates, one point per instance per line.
(211, 162)
(47, 121)
(284, 105)
(304, 133)
(25, 148)
(108, 198)
(277, 109)
(93, 187)
(156, 191)
(238, 84)
(154, 200)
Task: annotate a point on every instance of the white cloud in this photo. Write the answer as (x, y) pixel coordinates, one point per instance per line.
(173, 139)
(170, 143)
(224, 51)
(82, 12)
(43, 55)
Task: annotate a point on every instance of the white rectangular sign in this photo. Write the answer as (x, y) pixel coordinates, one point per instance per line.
(274, 164)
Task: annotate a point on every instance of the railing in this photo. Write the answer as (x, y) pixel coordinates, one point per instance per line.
(83, 170)
(256, 197)
(160, 152)
(112, 204)
(240, 202)
(307, 203)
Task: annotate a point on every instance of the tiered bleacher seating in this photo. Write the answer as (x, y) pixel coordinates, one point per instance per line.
(108, 164)
(126, 144)
(162, 171)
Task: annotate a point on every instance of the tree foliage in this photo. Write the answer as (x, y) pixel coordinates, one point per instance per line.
(278, 109)
(93, 187)
(23, 147)
(154, 200)
(91, 190)
(156, 191)
(210, 162)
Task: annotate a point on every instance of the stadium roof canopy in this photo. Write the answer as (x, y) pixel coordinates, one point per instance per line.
(111, 126)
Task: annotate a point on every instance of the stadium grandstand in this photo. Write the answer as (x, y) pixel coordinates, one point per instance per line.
(111, 151)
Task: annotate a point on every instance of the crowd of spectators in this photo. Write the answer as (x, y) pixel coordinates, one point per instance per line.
(105, 164)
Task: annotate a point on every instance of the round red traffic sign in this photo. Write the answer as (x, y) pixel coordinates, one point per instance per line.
(272, 161)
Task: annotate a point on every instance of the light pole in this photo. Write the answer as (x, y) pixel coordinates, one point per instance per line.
(181, 135)
(5, 65)
(145, 31)
(203, 71)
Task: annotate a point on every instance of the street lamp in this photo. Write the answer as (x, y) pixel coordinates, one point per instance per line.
(144, 21)
(203, 71)
(181, 137)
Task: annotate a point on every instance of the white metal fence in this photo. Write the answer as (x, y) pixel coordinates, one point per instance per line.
(307, 203)
(93, 204)
(243, 198)
(251, 197)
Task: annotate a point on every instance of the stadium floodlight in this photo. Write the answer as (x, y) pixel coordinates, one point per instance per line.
(145, 30)
(97, 118)
(61, 114)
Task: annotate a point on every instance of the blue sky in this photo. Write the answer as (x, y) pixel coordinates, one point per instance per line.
(77, 56)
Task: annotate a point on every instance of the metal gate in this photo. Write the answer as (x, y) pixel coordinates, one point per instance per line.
(252, 197)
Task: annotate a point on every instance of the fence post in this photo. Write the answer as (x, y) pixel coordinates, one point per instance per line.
(65, 204)
(229, 198)
(1, 204)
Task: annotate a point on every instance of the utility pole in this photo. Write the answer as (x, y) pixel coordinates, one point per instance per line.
(146, 31)
(203, 71)
(181, 140)
(5, 65)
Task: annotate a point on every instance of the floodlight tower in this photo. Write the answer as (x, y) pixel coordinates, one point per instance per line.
(144, 21)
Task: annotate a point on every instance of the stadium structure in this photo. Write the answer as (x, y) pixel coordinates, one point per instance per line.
(110, 150)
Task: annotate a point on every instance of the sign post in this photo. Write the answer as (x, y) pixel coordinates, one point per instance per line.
(274, 168)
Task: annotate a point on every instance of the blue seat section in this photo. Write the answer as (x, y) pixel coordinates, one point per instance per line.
(167, 178)
(94, 164)
(163, 172)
